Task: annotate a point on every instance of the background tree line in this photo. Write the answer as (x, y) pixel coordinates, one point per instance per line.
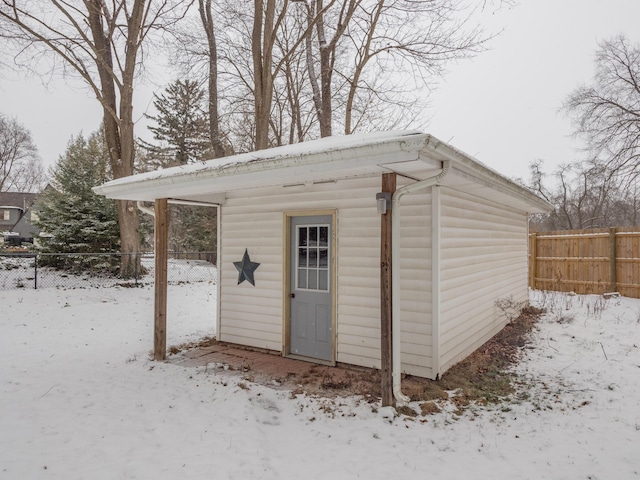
(276, 71)
(273, 72)
(602, 190)
(20, 165)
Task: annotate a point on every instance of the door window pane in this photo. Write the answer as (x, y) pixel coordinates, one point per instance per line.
(323, 280)
(302, 257)
(313, 236)
(324, 236)
(324, 258)
(313, 279)
(312, 267)
(302, 278)
(313, 257)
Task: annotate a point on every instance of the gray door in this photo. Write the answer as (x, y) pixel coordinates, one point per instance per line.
(311, 318)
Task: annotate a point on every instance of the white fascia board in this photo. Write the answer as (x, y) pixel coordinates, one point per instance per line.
(330, 158)
(317, 160)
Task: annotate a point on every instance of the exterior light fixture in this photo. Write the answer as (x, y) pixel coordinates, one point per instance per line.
(383, 202)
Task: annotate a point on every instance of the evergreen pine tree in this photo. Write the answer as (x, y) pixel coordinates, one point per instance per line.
(182, 129)
(181, 126)
(76, 219)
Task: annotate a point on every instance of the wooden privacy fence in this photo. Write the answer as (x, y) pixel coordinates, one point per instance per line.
(586, 261)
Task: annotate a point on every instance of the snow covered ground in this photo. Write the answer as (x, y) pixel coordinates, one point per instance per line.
(80, 400)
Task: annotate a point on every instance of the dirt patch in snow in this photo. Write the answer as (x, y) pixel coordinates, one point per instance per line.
(484, 377)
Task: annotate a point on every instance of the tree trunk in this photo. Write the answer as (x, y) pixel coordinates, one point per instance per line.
(361, 63)
(326, 72)
(327, 54)
(119, 129)
(261, 49)
(323, 106)
(129, 238)
(214, 118)
(313, 78)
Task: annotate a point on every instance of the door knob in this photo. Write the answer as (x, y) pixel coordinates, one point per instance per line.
(293, 295)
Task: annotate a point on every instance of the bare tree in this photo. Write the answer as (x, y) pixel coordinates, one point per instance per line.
(366, 64)
(330, 26)
(267, 18)
(102, 43)
(606, 114)
(20, 166)
(400, 46)
(583, 196)
(256, 49)
(366, 57)
(237, 46)
(601, 191)
(194, 51)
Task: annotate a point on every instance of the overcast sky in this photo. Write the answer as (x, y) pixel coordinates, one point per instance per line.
(501, 106)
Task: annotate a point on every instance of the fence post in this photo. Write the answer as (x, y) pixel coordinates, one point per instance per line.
(533, 253)
(137, 260)
(612, 260)
(35, 272)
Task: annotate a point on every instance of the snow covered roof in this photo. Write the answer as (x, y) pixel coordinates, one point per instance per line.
(410, 153)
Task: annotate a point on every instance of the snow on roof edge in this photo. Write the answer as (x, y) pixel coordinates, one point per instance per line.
(321, 145)
(324, 149)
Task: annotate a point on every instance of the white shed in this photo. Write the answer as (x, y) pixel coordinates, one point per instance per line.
(308, 215)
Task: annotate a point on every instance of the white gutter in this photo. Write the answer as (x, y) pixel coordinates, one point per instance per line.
(396, 362)
(150, 211)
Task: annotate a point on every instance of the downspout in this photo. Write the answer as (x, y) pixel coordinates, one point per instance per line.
(395, 274)
(147, 210)
(219, 271)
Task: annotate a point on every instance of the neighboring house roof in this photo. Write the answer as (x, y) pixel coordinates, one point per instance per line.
(17, 199)
(413, 154)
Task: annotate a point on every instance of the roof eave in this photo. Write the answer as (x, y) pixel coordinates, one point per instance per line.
(210, 178)
(281, 166)
(472, 168)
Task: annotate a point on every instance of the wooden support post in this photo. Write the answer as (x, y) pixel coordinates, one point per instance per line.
(386, 315)
(161, 253)
(613, 280)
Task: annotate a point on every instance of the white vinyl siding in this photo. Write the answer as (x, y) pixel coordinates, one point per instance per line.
(415, 283)
(358, 340)
(253, 315)
(483, 259)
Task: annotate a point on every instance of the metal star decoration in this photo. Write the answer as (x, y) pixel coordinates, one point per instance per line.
(246, 268)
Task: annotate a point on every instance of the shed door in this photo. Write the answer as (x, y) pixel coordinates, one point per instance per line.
(311, 313)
